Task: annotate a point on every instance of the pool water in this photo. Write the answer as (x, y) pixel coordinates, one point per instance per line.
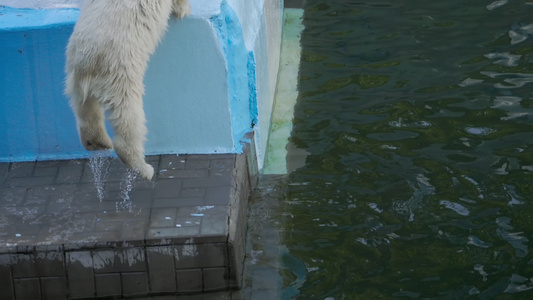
(417, 117)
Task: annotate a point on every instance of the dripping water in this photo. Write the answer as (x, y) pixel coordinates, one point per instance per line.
(126, 186)
(99, 163)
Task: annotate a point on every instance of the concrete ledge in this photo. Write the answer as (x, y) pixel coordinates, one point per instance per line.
(182, 233)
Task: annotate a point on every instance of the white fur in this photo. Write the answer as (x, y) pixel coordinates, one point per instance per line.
(107, 56)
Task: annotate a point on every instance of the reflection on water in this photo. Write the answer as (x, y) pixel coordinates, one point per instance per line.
(417, 117)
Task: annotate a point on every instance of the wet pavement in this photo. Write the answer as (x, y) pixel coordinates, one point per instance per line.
(68, 233)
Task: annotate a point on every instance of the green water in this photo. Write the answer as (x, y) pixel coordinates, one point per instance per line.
(417, 117)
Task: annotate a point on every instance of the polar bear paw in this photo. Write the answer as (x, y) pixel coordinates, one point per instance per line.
(145, 170)
(94, 140)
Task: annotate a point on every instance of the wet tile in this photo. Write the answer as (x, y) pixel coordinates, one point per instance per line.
(134, 284)
(163, 217)
(80, 274)
(189, 281)
(194, 173)
(172, 162)
(24, 266)
(45, 171)
(200, 255)
(30, 181)
(119, 260)
(6, 292)
(221, 167)
(176, 202)
(108, 225)
(54, 288)
(28, 288)
(196, 164)
(155, 236)
(218, 195)
(215, 226)
(167, 188)
(21, 169)
(193, 192)
(161, 269)
(4, 167)
(69, 173)
(207, 182)
(215, 279)
(133, 231)
(12, 196)
(108, 285)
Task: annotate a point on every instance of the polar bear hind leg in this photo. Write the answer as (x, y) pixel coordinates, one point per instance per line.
(91, 125)
(128, 121)
(181, 8)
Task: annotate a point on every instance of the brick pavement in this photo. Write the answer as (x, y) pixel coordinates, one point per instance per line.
(182, 232)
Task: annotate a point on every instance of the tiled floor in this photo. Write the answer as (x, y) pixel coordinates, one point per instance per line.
(62, 237)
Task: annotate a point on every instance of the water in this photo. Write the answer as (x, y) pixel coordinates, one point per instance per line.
(99, 163)
(417, 117)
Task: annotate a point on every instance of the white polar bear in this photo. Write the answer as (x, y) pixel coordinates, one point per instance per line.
(107, 56)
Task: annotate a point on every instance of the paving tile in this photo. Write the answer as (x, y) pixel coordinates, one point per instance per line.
(70, 173)
(189, 280)
(200, 256)
(108, 225)
(172, 162)
(13, 196)
(50, 264)
(177, 202)
(4, 168)
(167, 188)
(54, 288)
(30, 181)
(27, 288)
(193, 192)
(159, 236)
(141, 198)
(218, 195)
(133, 231)
(24, 266)
(163, 217)
(45, 171)
(215, 226)
(215, 279)
(80, 274)
(193, 173)
(195, 164)
(119, 260)
(221, 167)
(6, 292)
(108, 285)
(161, 269)
(134, 284)
(207, 182)
(21, 169)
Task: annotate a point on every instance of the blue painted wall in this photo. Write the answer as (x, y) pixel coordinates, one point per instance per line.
(35, 119)
(206, 85)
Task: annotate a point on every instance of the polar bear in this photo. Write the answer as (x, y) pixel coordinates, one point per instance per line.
(107, 56)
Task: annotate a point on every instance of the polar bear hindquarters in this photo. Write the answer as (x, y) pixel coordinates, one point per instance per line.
(107, 57)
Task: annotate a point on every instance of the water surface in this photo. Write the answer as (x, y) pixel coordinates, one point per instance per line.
(418, 119)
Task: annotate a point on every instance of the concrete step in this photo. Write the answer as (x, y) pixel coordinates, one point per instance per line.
(183, 232)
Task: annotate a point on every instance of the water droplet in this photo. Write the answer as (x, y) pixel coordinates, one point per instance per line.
(99, 163)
